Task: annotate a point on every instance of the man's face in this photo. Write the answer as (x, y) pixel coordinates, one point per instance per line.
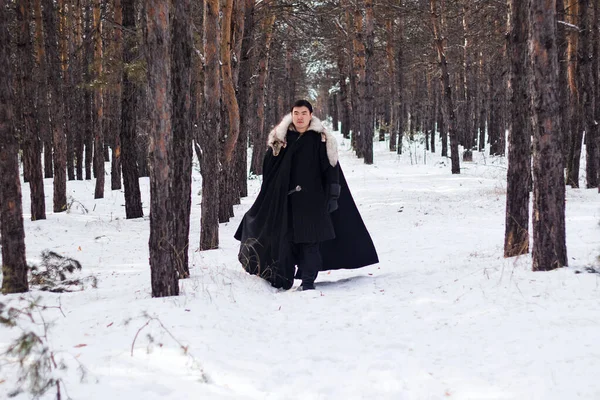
(301, 118)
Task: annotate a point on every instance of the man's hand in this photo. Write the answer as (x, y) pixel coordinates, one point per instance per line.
(332, 205)
(334, 194)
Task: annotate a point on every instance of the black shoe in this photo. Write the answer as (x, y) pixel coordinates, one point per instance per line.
(306, 286)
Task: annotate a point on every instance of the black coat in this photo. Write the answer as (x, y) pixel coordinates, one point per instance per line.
(278, 219)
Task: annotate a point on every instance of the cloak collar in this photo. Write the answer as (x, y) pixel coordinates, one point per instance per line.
(277, 137)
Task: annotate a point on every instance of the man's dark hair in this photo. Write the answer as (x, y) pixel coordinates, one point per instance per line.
(302, 103)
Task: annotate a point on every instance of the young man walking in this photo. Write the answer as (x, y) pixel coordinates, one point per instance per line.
(304, 215)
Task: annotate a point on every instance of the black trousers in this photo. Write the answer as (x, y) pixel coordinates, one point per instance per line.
(309, 262)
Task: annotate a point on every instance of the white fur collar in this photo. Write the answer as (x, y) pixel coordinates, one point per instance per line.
(277, 137)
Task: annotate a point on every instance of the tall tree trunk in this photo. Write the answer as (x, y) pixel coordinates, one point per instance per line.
(181, 196)
(575, 130)
(98, 105)
(209, 230)
(467, 91)
(516, 236)
(549, 242)
(66, 68)
(56, 107)
(399, 101)
(586, 83)
(434, 108)
(245, 95)
(259, 145)
(238, 171)
(88, 136)
(596, 82)
(359, 65)
(344, 93)
(79, 96)
(43, 123)
(483, 103)
(447, 103)
(158, 41)
(117, 48)
(26, 89)
(369, 85)
(129, 99)
(563, 77)
(12, 233)
(231, 117)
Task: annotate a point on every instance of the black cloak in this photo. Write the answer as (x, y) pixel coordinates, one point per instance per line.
(267, 249)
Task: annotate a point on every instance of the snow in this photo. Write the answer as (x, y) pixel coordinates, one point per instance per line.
(443, 315)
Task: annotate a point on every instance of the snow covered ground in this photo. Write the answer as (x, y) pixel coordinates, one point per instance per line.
(442, 316)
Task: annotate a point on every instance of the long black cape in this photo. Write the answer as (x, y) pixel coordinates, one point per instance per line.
(266, 248)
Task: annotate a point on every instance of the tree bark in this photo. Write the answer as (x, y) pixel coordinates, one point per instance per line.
(244, 101)
(586, 83)
(359, 66)
(575, 135)
(369, 84)
(56, 106)
(446, 96)
(116, 148)
(181, 201)
(209, 229)
(549, 242)
(43, 122)
(98, 105)
(26, 89)
(259, 142)
(230, 128)
(596, 82)
(12, 233)
(129, 99)
(164, 276)
(399, 103)
(516, 236)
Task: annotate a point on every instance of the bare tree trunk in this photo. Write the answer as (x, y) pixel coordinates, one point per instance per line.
(78, 83)
(117, 48)
(98, 105)
(447, 103)
(359, 65)
(596, 81)
(369, 85)
(26, 90)
(43, 122)
(88, 140)
(516, 236)
(57, 107)
(549, 242)
(66, 68)
(563, 77)
(129, 99)
(344, 93)
(238, 171)
(245, 94)
(163, 269)
(586, 83)
(434, 108)
(399, 102)
(12, 233)
(259, 145)
(231, 116)
(181, 196)
(576, 135)
(209, 230)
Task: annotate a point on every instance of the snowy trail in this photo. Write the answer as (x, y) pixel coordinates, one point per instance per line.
(443, 315)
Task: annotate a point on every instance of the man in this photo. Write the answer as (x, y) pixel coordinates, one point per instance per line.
(304, 214)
